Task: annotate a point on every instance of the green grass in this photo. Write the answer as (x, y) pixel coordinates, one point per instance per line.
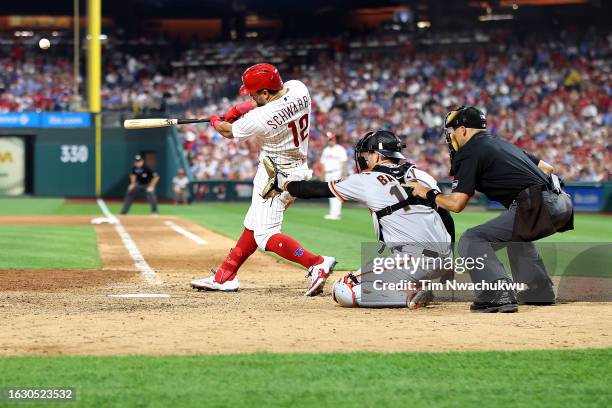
(305, 223)
(48, 247)
(44, 206)
(576, 378)
(572, 378)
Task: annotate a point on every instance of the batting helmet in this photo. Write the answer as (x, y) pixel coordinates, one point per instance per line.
(382, 141)
(260, 76)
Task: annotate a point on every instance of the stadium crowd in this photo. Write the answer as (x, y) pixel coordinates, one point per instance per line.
(549, 94)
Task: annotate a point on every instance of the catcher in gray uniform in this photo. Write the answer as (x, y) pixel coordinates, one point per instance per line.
(405, 224)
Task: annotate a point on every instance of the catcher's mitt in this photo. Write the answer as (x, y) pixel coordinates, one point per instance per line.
(276, 179)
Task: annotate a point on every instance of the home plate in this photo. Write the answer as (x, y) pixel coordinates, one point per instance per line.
(104, 220)
(141, 295)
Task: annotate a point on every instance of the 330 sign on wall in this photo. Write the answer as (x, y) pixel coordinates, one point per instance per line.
(74, 153)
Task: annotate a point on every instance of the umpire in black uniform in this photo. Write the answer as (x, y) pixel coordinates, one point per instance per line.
(536, 207)
(142, 178)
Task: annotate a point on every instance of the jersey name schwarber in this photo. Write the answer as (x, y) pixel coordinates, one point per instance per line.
(282, 126)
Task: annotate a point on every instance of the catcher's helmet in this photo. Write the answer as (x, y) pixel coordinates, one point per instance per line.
(260, 76)
(382, 141)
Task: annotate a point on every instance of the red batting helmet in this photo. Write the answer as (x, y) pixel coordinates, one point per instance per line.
(260, 76)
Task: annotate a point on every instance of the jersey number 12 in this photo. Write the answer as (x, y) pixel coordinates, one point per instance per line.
(300, 129)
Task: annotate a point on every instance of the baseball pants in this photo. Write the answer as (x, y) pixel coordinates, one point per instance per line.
(265, 216)
(335, 205)
(131, 194)
(370, 289)
(484, 240)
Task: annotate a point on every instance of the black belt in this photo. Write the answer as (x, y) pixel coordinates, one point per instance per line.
(427, 252)
(547, 187)
(430, 253)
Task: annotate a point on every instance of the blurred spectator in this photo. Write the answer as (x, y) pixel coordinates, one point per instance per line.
(180, 183)
(549, 93)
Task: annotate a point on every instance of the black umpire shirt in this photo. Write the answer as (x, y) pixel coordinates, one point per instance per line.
(496, 168)
(143, 174)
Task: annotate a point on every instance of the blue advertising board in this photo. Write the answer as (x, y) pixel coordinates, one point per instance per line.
(45, 120)
(586, 198)
(19, 119)
(65, 120)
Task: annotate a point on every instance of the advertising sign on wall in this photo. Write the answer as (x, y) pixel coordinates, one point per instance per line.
(12, 166)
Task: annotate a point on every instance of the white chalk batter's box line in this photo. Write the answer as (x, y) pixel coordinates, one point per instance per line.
(185, 233)
(139, 262)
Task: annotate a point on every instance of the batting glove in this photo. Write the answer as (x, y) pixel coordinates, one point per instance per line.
(215, 120)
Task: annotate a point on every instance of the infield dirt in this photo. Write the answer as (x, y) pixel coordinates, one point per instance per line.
(70, 312)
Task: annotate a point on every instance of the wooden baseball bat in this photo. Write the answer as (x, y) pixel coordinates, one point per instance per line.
(157, 123)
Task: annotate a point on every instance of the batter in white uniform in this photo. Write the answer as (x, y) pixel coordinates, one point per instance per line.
(279, 118)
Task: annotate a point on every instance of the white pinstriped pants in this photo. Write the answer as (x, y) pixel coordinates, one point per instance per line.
(265, 217)
(335, 205)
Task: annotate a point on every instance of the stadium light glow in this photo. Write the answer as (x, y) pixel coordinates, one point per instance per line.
(424, 24)
(24, 33)
(495, 17)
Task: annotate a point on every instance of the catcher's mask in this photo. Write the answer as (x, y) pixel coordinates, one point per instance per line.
(380, 141)
(467, 116)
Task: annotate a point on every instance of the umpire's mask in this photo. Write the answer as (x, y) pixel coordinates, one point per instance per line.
(467, 116)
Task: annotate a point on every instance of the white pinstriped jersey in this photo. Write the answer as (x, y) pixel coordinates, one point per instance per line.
(413, 224)
(281, 126)
(333, 159)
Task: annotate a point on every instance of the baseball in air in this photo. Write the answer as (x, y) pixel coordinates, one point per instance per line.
(44, 43)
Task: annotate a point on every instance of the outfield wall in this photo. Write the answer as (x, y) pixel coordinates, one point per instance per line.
(53, 154)
(60, 161)
(588, 197)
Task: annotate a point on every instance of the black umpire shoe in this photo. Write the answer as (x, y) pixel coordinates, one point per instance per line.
(494, 301)
(539, 296)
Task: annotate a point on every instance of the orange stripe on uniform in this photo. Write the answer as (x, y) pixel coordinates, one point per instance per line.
(335, 192)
